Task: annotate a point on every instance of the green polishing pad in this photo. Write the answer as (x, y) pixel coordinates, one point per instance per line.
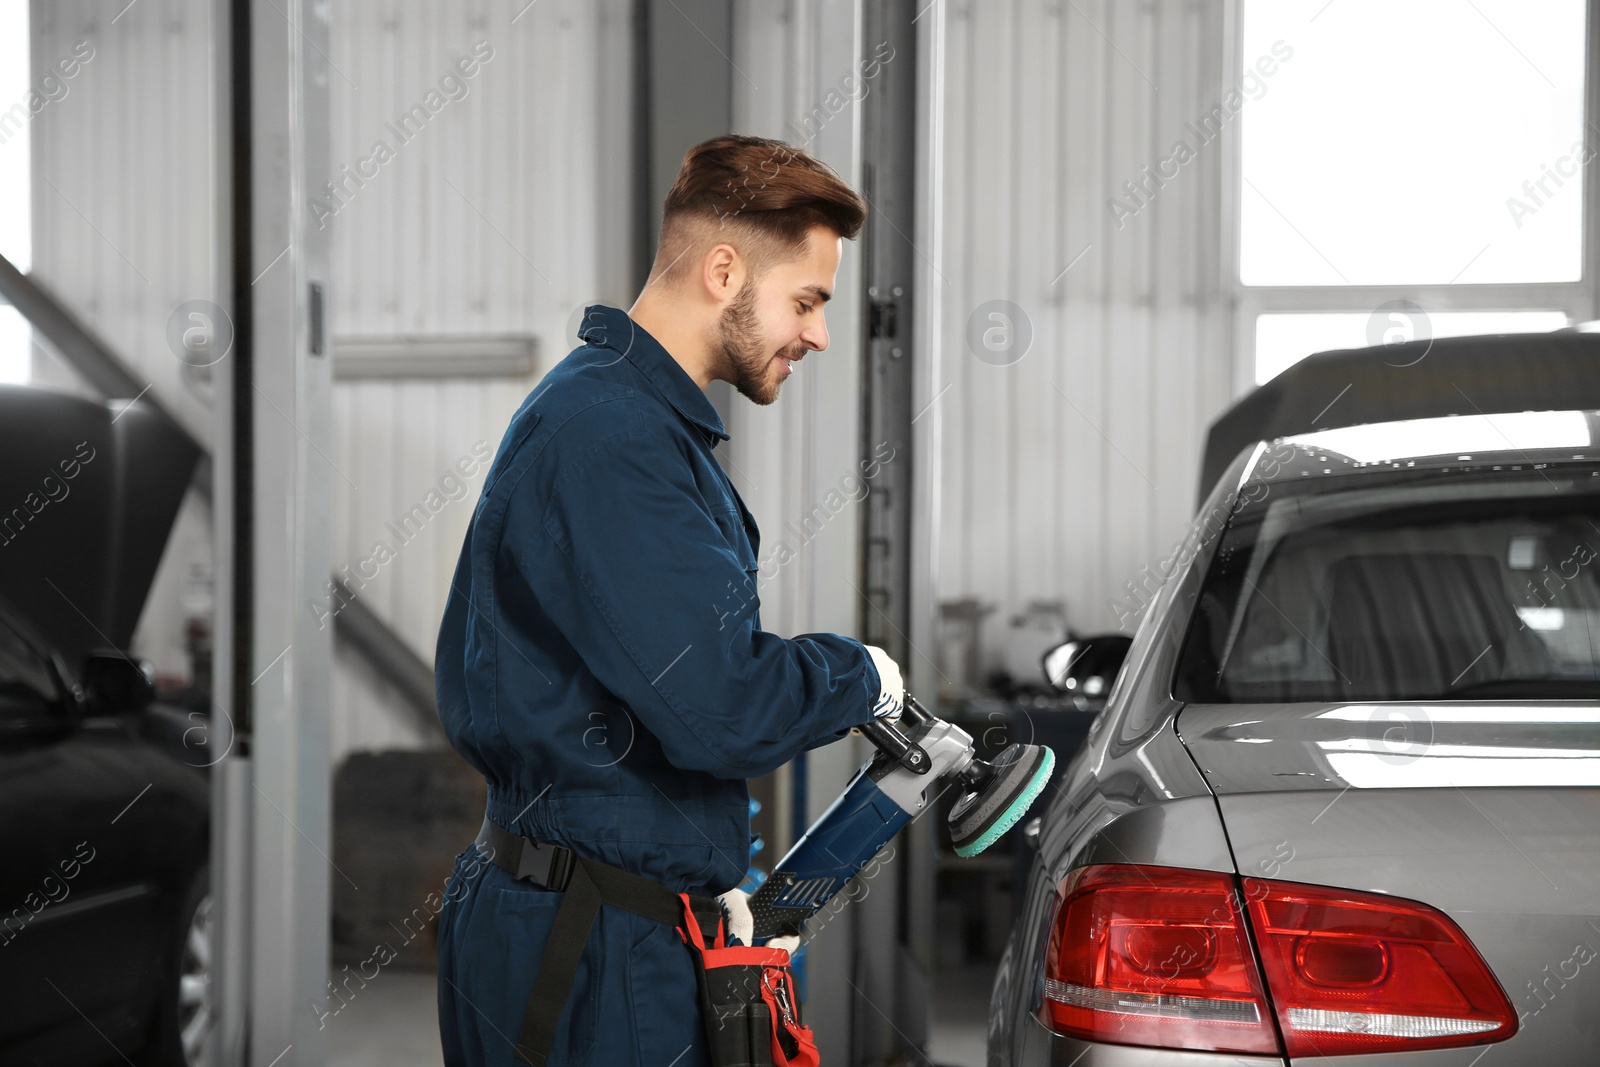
(981, 818)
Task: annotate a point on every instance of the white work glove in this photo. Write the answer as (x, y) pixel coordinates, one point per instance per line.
(891, 692)
(741, 925)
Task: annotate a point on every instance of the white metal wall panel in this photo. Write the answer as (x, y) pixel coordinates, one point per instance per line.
(123, 186)
(504, 214)
(786, 457)
(123, 219)
(1068, 471)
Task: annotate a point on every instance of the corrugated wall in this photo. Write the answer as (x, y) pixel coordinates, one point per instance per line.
(1068, 470)
(123, 181)
(123, 224)
(503, 214)
(1064, 473)
(786, 457)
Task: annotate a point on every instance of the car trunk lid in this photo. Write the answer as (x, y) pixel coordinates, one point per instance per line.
(1487, 811)
(88, 494)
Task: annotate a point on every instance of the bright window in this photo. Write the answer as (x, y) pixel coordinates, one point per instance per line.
(1407, 170)
(1424, 142)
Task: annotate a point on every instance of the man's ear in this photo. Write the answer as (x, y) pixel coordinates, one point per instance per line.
(722, 272)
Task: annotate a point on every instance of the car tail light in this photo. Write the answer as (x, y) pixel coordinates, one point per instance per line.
(1142, 955)
(1362, 972)
(1154, 956)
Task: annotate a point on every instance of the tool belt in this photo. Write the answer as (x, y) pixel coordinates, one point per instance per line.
(747, 998)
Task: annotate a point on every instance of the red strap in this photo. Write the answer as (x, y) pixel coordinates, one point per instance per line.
(691, 928)
(746, 956)
(787, 1031)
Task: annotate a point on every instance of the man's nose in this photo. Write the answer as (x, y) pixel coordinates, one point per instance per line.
(816, 337)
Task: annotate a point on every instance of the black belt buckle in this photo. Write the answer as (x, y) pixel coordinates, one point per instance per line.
(546, 865)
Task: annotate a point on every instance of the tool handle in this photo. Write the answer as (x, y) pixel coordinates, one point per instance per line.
(897, 746)
(915, 713)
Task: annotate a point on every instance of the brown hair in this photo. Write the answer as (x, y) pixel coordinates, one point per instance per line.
(761, 195)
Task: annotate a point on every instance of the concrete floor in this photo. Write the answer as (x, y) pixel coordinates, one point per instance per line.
(960, 1017)
(391, 1023)
(394, 1022)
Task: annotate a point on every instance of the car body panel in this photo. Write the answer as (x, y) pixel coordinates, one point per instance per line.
(1038, 1047)
(1486, 810)
(104, 816)
(133, 831)
(1517, 869)
(1271, 748)
(1132, 794)
(103, 830)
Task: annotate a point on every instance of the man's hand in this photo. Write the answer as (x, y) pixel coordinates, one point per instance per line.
(741, 924)
(891, 692)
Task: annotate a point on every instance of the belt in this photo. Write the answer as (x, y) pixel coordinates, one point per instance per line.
(546, 866)
(587, 884)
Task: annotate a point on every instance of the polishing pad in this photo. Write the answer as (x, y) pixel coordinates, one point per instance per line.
(981, 817)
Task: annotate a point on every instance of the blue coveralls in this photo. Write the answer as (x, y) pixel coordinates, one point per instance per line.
(601, 662)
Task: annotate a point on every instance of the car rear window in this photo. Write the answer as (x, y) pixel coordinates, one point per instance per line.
(1482, 587)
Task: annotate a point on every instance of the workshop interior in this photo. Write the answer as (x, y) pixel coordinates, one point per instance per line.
(1208, 427)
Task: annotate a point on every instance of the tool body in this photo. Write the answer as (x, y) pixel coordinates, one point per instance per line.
(910, 771)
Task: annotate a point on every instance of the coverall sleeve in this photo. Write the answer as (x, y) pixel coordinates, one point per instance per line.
(633, 568)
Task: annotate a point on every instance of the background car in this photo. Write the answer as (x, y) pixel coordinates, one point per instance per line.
(1343, 799)
(104, 799)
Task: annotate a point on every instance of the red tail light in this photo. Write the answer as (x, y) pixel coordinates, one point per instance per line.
(1362, 972)
(1160, 956)
(1154, 956)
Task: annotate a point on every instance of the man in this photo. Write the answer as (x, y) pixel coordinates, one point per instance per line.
(601, 659)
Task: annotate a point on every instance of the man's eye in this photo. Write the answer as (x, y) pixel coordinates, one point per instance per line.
(805, 309)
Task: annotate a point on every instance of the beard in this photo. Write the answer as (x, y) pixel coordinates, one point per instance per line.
(745, 360)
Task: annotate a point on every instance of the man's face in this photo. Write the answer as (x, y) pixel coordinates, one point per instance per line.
(773, 322)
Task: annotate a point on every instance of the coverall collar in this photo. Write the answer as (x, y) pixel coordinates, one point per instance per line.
(614, 329)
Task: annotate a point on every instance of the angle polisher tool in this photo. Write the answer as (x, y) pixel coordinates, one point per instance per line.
(910, 770)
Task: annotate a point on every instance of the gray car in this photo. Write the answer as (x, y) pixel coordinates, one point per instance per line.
(1344, 799)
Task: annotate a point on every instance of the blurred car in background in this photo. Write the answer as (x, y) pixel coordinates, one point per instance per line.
(104, 799)
(1344, 799)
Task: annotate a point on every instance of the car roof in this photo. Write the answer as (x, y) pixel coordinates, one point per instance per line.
(1448, 376)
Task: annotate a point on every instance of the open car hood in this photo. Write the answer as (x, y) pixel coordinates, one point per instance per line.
(88, 494)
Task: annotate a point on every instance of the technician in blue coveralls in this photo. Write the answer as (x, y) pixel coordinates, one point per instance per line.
(601, 660)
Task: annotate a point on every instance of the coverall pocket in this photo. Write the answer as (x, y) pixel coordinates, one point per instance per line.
(663, 994)
(523, 918)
